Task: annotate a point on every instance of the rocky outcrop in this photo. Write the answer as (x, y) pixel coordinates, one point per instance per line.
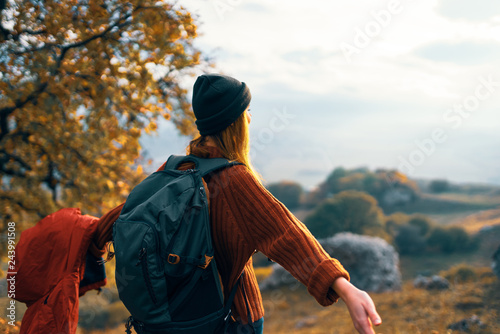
(431, 283)
(372, 263)
(397, 196)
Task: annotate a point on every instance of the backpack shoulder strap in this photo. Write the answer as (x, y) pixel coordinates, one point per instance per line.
(204, 165)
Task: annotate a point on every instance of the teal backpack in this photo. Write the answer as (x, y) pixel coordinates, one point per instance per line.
(165, 272)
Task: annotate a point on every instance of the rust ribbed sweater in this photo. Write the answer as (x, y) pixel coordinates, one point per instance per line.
(245, 217)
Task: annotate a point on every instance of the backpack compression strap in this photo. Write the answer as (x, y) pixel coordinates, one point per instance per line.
(204, 165)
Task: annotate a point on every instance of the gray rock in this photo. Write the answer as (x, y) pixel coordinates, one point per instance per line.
(431, 283)
(468, 325)
(306, 322)
(372, 263)
(397, 196)
(420, 282)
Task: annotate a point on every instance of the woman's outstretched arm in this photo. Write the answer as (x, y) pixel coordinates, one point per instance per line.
(360, 306)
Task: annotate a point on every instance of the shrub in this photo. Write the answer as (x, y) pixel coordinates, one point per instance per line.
(449, 240)
(409, 240)
(348, 211)
(441, 240)
(423, 223)
(439, 186)
(332, 182)
(461, 273)
(394, 222)
(287, 192)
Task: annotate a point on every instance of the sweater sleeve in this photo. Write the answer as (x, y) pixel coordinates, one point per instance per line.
(272, 229)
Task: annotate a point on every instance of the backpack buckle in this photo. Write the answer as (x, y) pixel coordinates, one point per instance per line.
(207, 262)
(173, 258)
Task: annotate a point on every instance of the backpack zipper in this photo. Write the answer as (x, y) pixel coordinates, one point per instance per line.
(143, 260)
(159, 259)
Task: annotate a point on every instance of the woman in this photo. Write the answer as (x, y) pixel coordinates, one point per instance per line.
(246, 218)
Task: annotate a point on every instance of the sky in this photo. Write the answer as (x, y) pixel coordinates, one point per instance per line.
(407, 85)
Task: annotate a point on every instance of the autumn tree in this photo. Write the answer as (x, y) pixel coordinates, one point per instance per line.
(80, 82)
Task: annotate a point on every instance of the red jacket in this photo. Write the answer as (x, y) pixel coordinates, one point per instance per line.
(50, 260)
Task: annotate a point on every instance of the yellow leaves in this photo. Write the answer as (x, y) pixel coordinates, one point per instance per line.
(135, 132)
(174, 34)
(190, 30)
(95, 150)
(151, 127)
(179, 48)
(398, 176)
(110, 185)
(119, 141)
(196, 58)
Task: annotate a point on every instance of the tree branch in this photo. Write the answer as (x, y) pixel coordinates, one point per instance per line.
(12, 172)
(120, 23)
(102, 34)
(21, 205)
(5, 112)
(33, 32)
(7, 156)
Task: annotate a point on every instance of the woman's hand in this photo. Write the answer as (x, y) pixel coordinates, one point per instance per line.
(359, 304)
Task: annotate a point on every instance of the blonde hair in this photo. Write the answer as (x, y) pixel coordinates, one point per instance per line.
(233, 142)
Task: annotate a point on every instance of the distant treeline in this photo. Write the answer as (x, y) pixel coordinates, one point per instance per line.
(355, 201)
(388, 187)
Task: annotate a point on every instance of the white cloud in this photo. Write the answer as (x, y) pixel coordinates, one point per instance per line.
(392, 93)
(472, 10)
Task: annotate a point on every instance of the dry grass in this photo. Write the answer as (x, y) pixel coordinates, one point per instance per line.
(482, 198)
(474, 222)
(410, 310)
(293, 310)
(474, 291)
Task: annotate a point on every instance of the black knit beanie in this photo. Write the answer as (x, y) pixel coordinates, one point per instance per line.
(218, 100)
